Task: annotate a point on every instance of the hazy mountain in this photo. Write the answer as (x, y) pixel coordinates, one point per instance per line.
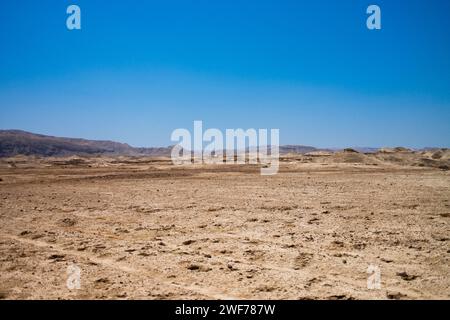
(296, 149)
(14, 142)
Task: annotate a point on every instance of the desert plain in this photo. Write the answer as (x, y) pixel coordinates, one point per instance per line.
(143, 228)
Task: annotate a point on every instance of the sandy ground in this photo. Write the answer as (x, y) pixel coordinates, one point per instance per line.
(144, 229)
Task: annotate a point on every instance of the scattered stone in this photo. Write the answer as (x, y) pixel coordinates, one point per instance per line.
(102, 280)
(231, 267)
(3, 295)
(199, 268)
(98, 248)
(359, 246)
(68, 222)
(57, 257)
(302, 260)
(341, 297)
(144, 254)
(407, 277)
(215, 209)
(193, 267)
(311, 221)
(439, 238)
(395, 295)
(266, 288)
(338, 243)
(188, 242)
(311, 281)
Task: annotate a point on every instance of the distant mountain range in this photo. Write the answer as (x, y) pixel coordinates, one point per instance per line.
(18, 142)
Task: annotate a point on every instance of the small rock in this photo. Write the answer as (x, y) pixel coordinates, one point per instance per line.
(144, 254)
(341, 297)
(232, 267)
(68, 222)
(102, 280)
(338, 243)
(313, 220)
(395, 295)
(3, 295)
(193, 267)
(405, 276)
(57, 257)
(359, 246)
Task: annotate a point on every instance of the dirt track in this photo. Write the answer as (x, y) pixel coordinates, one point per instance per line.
(148, 230)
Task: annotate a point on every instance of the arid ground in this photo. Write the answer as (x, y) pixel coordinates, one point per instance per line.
(142, 228)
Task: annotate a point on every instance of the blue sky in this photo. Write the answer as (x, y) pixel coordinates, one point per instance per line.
(140, 69)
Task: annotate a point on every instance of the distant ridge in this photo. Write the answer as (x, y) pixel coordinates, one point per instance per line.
(17, 142)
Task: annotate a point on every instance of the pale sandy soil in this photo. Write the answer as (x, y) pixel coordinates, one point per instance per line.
(144, 229)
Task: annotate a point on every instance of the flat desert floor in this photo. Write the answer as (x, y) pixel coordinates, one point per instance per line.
(140, 228)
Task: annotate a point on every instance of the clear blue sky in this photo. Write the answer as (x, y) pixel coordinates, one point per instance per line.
(139, 69)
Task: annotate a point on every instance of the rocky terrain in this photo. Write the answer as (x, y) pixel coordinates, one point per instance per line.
(142, 228)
